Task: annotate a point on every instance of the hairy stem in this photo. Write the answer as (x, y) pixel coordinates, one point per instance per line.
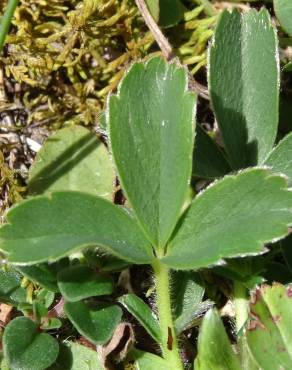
(169, 343)
(6, 21)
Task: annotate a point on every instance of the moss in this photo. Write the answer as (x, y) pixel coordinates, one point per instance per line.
(69, 55)
(10, 187)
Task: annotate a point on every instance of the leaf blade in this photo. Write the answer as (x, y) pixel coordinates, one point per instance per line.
(208, 160)
(74, 356)
(97, 324)
(23, 351)
(211, 355)
(143, 314)
(234, 216)
(149, 361)
(150, 146)
(280, 158)
(80, 282)
(72, 159)
(244, 51)
(283, 10)
(269, 332)
(47, 228)
(187, 300)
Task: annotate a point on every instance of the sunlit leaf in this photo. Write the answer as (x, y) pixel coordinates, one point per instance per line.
(46, 228)
(214, 348)
(233, 217)
(244, 85)
(72, 159)
(151, 123)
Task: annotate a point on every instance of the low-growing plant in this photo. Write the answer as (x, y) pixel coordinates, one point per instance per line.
(64, 239)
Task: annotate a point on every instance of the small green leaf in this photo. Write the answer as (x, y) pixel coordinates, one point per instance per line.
(39, 310)
(151, 132)
(214, 348)
(74, 356)
(79, 282)
(26, 348)
(72, 159)
(142, 313)
(46, 296)
(269, 334)
(244, 85)
(10, 287)
(148, 361)
(43, 274)
(233, 217)
(97, 324)
(208, 160)
(187, 297)
(280, 159)
(47, 228)
(283, 10)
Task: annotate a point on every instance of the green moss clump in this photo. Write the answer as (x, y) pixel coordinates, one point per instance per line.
(70, 54)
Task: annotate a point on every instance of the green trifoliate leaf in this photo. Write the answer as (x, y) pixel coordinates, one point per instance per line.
(244, 85)
(47, 228)
(283, 10)
(280, 159)
(97, 324)
(208, 161)
(269, 334)
(26, 348)
(80, 282)
(142, 313)
(73, 159)
(151, 132)
(233, 217)
(214, 348)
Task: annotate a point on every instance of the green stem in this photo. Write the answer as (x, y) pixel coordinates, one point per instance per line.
(169, 343)
(241, 305)
(6, 21)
